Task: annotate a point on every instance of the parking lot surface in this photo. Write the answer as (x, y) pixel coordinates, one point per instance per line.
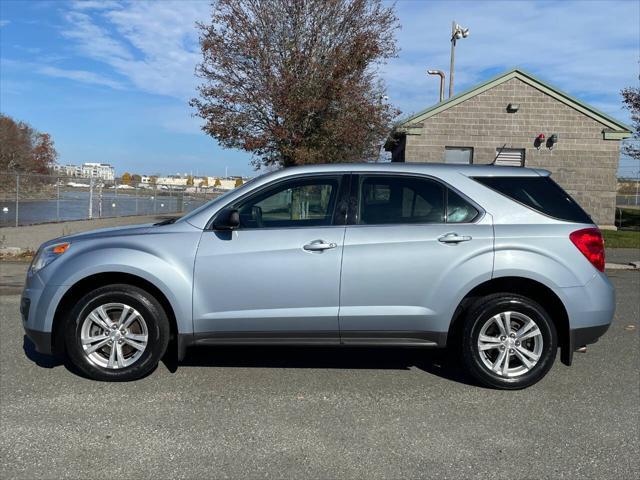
(322, 413)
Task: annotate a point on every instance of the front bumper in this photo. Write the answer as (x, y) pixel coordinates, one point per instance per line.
(41, 340)
(37, 306)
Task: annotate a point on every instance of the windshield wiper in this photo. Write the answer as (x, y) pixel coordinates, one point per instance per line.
(167, 221)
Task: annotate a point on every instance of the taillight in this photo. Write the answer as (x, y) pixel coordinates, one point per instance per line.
(591, 244)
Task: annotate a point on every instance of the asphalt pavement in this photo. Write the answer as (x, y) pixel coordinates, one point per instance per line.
(322, 413)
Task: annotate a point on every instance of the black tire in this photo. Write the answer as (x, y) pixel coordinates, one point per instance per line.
(492, 305)
(155, 319)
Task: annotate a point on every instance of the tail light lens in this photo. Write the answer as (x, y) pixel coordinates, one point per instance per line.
(591, 244)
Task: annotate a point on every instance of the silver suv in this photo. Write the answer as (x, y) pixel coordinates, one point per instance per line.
(498, 263)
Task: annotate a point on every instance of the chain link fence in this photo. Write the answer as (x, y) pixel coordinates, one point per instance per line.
(628, 201)
(27, 199)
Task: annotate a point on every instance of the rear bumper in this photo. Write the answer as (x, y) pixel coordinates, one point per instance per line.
(579, 337)
(586, 336)
(590, 310)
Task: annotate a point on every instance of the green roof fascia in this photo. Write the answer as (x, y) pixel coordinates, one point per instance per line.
(615, 135)
(529, 79)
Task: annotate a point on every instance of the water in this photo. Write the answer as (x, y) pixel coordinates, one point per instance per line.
(75, 206)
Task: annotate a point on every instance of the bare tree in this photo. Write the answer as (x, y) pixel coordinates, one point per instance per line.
(296, 81)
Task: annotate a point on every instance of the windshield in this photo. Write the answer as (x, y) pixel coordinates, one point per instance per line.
(220, 198)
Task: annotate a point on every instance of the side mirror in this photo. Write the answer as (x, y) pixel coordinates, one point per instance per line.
(227, 220)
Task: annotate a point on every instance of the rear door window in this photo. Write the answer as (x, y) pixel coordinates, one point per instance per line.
(541, 194)
(459, 210)
(390, 199)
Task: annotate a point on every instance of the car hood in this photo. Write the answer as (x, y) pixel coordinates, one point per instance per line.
(103, 232)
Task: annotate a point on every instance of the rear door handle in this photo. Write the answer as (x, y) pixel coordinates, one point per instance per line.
(319, 245)
(454, 238)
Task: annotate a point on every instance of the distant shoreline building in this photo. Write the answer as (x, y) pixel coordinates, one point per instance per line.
(103, 171)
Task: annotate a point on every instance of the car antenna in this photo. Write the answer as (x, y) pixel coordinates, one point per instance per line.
(498, 154)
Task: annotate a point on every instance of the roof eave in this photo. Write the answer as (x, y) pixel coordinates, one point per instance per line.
(561, 96)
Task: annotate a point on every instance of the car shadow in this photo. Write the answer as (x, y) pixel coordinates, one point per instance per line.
(441, 363)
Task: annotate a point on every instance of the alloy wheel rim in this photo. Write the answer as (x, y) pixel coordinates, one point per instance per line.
(114, 336)
(510, 344)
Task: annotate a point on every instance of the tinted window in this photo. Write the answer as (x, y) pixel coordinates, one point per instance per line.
(458, 209)
(297, 203)
(539, 193)
(385, 200)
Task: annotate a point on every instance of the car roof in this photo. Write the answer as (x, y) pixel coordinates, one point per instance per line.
(424, 168)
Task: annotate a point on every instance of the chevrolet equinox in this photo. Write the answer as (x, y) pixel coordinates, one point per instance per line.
(498, 263)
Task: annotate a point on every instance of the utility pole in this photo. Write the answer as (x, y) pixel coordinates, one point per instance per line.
(90, 198)
(457, 32)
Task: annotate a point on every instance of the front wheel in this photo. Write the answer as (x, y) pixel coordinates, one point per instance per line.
(509, 341)
(116, 332)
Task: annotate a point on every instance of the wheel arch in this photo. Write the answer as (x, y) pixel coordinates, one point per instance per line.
(91, 282)
(526, 287)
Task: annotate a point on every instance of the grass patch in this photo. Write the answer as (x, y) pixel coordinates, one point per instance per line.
(621, 239)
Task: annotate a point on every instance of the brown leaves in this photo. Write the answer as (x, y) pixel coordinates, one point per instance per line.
(295, 81)
(24, 149)
(631, 101)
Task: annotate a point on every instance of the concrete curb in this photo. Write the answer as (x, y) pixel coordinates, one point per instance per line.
(622, 266)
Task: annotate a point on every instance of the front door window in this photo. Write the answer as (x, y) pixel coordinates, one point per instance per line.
(297, 203)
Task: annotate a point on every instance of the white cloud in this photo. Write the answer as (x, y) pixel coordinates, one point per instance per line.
(4, 23)
(95, 4)
(589, 49)
(80, 76)
(153, 44)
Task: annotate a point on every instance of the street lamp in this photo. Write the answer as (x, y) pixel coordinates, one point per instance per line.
(457, 32)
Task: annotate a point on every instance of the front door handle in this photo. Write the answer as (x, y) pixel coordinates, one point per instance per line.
(454, 238)
(319, 245)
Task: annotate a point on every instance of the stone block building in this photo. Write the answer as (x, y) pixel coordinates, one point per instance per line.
(516, 119)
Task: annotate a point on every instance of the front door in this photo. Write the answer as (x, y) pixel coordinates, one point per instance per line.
(412, 247)
(279, 272)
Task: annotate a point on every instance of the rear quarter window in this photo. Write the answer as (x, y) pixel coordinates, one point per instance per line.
(541, 194)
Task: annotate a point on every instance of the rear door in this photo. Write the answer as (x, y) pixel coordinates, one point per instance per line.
(411, 247)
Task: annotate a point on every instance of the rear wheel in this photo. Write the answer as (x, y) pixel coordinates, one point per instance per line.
(116, 332)
(509, 341)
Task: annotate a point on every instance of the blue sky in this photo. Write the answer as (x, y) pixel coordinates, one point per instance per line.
(110, 80)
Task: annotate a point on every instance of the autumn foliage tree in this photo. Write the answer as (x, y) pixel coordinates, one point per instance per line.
(125, 179)
(631, 101)
(296, 81)
(23, 149)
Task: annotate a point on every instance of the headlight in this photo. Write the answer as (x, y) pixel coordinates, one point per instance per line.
(47, 255)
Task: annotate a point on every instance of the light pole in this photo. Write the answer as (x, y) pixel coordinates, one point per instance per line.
(457, 32)
(440, 73)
